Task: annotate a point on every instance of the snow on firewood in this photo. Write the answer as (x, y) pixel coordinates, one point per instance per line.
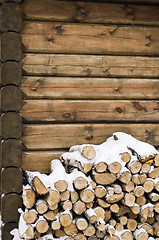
(58, 173)
(110, 151)
(106, 191)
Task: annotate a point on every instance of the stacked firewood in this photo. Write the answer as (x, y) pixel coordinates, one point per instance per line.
(85, 197)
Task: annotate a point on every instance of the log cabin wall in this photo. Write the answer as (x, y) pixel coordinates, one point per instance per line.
(89, 69)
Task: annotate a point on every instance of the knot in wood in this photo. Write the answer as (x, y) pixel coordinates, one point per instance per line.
(119, 110)
(67, 115)
(89, 138)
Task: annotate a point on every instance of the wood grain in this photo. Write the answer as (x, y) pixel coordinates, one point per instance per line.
(11, 125)
(6, 229)
(90, 65)
(11, 17)
(89, 111)
(89, 38)
(39, 160)
(11, 44)
(11, 98)
(15, 1)
(11, 153)
(11, 73)
(11, 180)
(90, 12)
(10, 204)
(89, 88)
(136, 1)
(49, 136)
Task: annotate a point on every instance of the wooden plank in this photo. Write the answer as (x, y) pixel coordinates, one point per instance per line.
(90, 65)
(11, 17)
(11, 153)
(10, 204)
(49, 136)
(11, 73)
(11, 125)
(11, 180)
(11, 44)
(90, 12)
(89, 38)
(11, 98)
(39, 160)
(6, 229)
(89, 111)
(89, 88)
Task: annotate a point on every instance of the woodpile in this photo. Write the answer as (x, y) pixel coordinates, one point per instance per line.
(107, 191)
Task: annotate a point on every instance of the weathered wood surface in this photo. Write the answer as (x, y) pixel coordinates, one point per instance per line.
(11, 98)
(11, 180)
(135, 1)
(11, 125)
(54, 37)
(11, 44)
(109, 1)
(90, 65)
(15, 1)
(11, 17)
(11, 153)
(10, 204)
(90, 12)
(11, 73)
(49, 136)
(6, 229)
(89, 111)
(39, 160)
(89, 88)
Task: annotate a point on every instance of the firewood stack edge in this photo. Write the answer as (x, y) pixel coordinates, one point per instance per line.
(106, 191)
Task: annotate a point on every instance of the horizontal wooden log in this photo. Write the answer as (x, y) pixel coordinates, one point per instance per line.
(11, 73)
(10, 204)
(11, 98)
(138, 1)
(89, 111)
(90, 12)
(45, 137)
(39, 161)
(125, 1)
(6, 228)
(89, 38)
(15, 1)
(11, 153)
(11, 17)
(11, 44)
(11, 125)
(89, 88)
(90, 65)
(11, 180)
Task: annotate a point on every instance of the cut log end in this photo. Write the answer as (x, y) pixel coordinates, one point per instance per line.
(30, 217)
(42, 226)
(61, 185)
(65, 220)
(125, 157)
(89, 152)
(80, 183)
